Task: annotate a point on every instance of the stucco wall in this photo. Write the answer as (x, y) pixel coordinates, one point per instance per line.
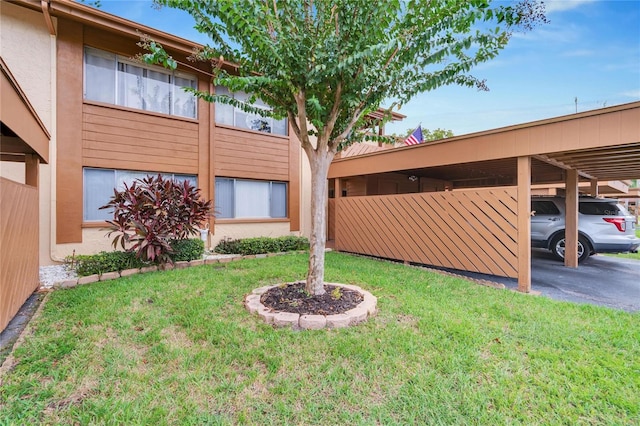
(249, 230)
(29, 51)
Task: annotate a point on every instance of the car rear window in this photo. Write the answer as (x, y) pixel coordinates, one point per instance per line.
(599, 209)
(544, 207)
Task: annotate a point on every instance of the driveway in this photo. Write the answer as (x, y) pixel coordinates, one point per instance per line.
(600, 280)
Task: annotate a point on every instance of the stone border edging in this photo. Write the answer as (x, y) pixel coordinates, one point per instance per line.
(364, 310)
(107, 276)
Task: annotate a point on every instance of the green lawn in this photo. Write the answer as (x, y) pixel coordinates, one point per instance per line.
(178, 347)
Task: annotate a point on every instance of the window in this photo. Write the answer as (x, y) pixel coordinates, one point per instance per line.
(544, 207)
(100, 183)
(250, 199)
(115, 80)
(599, 208)
(232, 116)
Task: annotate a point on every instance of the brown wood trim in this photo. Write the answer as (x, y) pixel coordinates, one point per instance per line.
(294, 182)
(571, 219)
(524, 224)
(19, 241)
(440, 228)
(255, 132)
(20, 116)
(233, 221)
(139, 111)
(69, 134)
(100, 224)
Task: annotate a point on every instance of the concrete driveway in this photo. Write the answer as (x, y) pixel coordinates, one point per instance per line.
(599, 280)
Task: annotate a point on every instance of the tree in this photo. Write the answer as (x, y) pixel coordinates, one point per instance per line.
(427, 135)
(325, 64)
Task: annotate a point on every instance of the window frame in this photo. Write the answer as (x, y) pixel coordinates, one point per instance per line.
(236, 110)
(165, 175)
(117, 60)
(270, 207)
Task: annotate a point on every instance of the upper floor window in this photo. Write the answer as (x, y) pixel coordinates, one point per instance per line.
(100, 183)
(116, 80)
(232, 116)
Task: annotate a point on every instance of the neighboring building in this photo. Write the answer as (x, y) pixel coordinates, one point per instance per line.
(113, 119)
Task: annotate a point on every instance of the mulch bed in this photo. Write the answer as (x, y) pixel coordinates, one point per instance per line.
(293, 298)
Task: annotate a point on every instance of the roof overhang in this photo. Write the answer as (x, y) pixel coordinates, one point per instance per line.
(603, 144)
(21, 130)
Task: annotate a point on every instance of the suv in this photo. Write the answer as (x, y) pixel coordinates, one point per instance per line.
(604, 226)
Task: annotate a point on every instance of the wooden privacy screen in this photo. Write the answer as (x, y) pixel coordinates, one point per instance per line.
(18, 247)
(471, 230)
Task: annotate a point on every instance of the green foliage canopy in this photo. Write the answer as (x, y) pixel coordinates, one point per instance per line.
(329, 62)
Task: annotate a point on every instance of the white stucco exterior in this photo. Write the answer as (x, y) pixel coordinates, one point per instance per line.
(30, 53)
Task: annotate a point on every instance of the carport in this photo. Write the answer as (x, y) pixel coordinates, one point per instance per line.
(465, 202)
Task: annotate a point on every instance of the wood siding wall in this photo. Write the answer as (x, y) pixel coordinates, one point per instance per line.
(19, 232)
(113, 138)
(251, 155)
(466, 230)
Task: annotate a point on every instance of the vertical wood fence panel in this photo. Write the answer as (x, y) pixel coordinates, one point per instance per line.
(18, 247)
(472, 230)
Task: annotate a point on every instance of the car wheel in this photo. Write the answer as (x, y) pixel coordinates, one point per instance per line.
(558, 246)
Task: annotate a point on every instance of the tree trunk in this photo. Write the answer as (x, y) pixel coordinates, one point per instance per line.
(318, 241)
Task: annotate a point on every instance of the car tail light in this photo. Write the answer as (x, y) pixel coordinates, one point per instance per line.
(619, 222)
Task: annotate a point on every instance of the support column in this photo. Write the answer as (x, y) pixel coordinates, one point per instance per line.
(524, 224)
(571, 219)
(594, 187)
(32, 163)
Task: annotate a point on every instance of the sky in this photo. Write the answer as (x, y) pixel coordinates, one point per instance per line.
(589, 51)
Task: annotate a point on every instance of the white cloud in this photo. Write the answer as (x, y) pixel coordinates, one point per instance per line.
(632, 94)
(562, 5)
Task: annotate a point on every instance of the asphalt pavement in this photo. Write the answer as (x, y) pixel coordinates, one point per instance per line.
(599, 280)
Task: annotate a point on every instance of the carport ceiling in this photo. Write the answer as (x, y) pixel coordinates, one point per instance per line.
(488, 173)
(610, 163)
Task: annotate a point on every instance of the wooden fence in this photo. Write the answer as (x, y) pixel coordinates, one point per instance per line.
(18, 247)
(472, 230)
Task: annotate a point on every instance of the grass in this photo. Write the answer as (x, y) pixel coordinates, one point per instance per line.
(635, 255)
(178, 347)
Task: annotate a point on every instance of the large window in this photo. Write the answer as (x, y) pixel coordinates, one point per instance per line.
(116, 80)
(232, 116)
(250, 199)
(100, 183)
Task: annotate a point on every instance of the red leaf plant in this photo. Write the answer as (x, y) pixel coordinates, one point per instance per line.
(153, 211)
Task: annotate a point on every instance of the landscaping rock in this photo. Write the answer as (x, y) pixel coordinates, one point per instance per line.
(211, 261)
(357, 315)
(313, 322)
(129, 272)
(109, 276)
(266, 314)
(182, 264)
(196, 262)
(89, 279)
(286, 319)
(338, 321)
(148, 269)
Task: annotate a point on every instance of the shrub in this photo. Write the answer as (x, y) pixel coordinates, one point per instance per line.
(259, 245)
(104, 262)
(152, 212)
(187, 249)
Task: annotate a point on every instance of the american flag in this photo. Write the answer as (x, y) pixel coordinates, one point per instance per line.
(415, 138)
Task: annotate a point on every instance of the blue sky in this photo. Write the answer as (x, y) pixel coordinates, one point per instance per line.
(590, 50)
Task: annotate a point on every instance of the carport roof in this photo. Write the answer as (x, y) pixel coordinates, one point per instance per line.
(603, 144)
